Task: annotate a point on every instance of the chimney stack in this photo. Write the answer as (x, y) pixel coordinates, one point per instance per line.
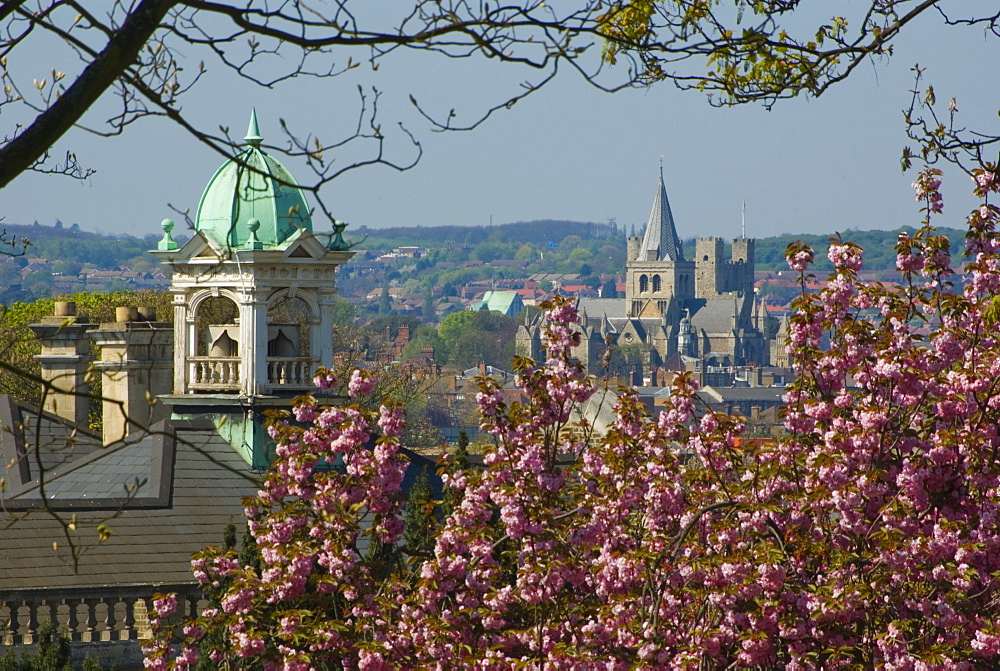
(136, 366)
(64, 360)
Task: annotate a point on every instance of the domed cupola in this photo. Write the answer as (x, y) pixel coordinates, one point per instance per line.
(254, 293)
(253, 186)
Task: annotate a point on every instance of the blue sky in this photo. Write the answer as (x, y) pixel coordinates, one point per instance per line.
(567, 152)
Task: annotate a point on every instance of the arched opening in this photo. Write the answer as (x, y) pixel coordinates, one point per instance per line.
(643, 284)
(288, 322)
(656, 284)
(289, 347)
(215, 364)
(217, 325)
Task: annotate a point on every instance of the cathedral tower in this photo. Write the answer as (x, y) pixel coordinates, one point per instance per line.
(657, 272)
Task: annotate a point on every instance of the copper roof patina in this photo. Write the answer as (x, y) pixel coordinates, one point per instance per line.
(252, 201)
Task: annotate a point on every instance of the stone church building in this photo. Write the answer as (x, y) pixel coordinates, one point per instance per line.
(700, 310)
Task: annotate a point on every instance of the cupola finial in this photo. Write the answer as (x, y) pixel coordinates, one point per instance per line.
(253, 137)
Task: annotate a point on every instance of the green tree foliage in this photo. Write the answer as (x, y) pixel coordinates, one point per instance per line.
(384, 303)
(469, 337)
(52, 654)
(526, 252)
(458, 463)
(538, 233)
(609, 289)
(879, 246)
(420, 517)
(491, 251)
(18, 345)
(626, 358)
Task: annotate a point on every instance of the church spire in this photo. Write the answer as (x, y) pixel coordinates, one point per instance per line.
(661, 234)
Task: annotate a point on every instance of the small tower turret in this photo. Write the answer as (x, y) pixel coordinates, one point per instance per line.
(253, 291)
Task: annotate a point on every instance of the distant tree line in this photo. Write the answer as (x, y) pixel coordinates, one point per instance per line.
(879, 246)
(540, 232)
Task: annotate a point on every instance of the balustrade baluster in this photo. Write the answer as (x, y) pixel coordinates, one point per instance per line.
(15, 622)
(73, 621)
(129, 633)
(191, 600)
(111, 621)
(31, 634)
(5, 634)
(53, 608)
(90, 629)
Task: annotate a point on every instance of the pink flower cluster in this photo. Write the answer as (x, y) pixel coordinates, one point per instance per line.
(926, 189)
(362, 383)
(865, 536)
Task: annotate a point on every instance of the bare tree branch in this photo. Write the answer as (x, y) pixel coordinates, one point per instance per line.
(27, 147)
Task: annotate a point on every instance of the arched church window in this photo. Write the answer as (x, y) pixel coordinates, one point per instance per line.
(656, 284)
(643, 284)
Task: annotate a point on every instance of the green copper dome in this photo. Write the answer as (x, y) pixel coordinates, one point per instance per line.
(252, 186)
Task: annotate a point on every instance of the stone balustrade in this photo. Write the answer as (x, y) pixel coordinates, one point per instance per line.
(291, 371)
(214, 373)
(90, 615)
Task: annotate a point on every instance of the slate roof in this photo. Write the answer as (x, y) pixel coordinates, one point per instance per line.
(596, 308)
(187, 484)
(55, 443)
(661, 234)
(715, 315)
(191, 483)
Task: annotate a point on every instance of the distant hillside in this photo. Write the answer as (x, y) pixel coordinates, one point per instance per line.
(539, 232)
(73, 244)
(878, 245)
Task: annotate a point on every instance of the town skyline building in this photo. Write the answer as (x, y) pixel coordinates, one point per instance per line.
(701, 311)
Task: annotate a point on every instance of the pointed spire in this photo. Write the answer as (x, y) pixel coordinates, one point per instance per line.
(661, 234)
(253, 137)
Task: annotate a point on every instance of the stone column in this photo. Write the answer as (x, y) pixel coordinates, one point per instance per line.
(65, 359)
(182, 341)
(253, 344)
(322, 335)
(136, 366)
